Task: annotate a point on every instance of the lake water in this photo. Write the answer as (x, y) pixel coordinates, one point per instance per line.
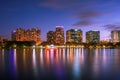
(60, 64)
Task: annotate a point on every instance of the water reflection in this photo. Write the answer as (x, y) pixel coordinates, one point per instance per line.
(41, 57)
(96, 63)
(76, 65)
(3, 58)
(24, 57)
(35, 69)
(2, 64)
(13, 63)
(60, 64)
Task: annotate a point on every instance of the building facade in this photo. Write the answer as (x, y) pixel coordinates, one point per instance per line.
(33, 34)
(93, 37)
(1, 39)
(74, 35)
(59, 35)
(18, 34)
(115, 35)
(51, 37)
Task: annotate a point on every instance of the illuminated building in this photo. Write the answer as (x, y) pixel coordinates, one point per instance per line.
(93, 36)
(18, 34)
(28, 34)
(59, 35)
(74, 35)
(1, 39)
(115, 35)
(33, 34)
(51, 37)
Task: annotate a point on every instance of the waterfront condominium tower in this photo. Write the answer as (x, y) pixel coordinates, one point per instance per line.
(93, 37)
(115, 35)
(51, 37)
(59, 35)
(33, 34)
(74, 35)
(18, 34)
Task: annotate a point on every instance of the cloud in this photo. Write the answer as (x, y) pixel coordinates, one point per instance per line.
(86, 23)
(81, 4)
(93, 12)
(90, 14)
(83, 23)
(85, 11)
(112, 27)
(59, 3)
(78, 3)
(87, 18)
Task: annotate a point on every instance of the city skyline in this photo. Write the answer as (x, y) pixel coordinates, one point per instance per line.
(59, 36)
(46, 14)
(70, 35)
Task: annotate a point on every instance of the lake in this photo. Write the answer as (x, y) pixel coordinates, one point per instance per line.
(60, 64)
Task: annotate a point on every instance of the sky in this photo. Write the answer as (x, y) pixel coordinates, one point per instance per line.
(102, 15)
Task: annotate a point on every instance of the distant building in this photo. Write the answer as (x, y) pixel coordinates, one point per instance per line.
(1, 39)
(18, 34)
(93, 37)
(74, 35)
(115, 35)
(33, 34)
(59, 35)
(51, 37)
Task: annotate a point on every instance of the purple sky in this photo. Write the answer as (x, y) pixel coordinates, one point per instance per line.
(103, 15)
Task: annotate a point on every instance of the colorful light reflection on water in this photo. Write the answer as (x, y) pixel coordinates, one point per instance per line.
(60, 64)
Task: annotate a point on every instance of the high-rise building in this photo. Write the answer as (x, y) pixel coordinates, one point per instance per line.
(51, 37)
(74, 35)
(18, 34)
(115, 35)
(27, 35)
(93, 36)
(35, 35)
(59, 35)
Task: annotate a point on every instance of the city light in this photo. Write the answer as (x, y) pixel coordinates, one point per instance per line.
(74, 38)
